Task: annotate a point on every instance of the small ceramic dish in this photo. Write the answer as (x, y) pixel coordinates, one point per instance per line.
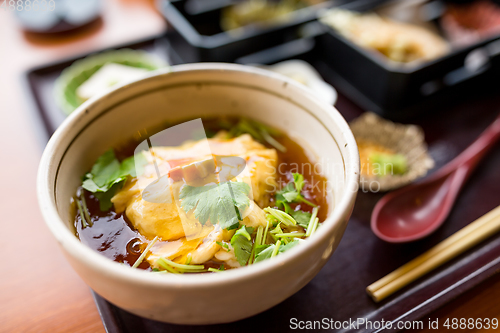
(187, 92)
(304, 73)
(404, 140)
(65, 89)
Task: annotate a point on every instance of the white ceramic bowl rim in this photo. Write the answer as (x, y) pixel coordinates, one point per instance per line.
(68, 240)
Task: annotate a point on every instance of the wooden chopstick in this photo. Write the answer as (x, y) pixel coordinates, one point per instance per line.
(459, 242)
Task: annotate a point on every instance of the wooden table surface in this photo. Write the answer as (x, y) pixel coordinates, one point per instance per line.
(39, 292)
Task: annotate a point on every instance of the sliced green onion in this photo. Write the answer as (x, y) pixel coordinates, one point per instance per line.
(215, 270)
(272, 141)
(182, 266)
(315, 226)
(257, 242)
(162, 272)
(195, 271)
(264, 236)
(85, 210)
(166, 266)
(281, 216)
(189, 258)
(245, 126)
(276, 249)
(82, 216)
(143, 254)
(292, 234)
(311, 221)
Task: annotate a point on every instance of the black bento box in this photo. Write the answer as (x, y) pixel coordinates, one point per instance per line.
(195, 29)
(392, 89)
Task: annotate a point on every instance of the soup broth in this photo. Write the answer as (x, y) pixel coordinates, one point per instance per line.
(113, 234)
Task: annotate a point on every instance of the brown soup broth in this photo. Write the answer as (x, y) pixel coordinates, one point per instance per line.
(113, 235)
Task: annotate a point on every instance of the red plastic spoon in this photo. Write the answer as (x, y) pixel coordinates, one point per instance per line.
(415, 211)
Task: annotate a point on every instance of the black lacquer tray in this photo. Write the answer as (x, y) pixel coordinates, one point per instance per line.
(338, 291)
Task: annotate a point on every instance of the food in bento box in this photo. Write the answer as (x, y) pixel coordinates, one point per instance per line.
(397, 41)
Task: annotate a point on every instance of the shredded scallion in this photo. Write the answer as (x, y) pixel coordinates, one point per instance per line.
(174, 267)
(85, 210)
(311, 221)
(257, 242)
(281, 216)
(276, 249)
(80, 210)
(143, 254)
(166, 266)
(292, 234)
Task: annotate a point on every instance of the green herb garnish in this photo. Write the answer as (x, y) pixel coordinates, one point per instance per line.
(292, 234)
(257, 130)
(314, 220)
(263, 252)
(224, 245)
(281, 216)
(291, 193)
(288, 246)
(80, 211)
(215, 270)
(85, 210)
(276, 248)
(174, 267)
(302, 218)
(218, 203)
(258, 241)
(242, 244)
(266, 251)
(107, 175)
(143, 254)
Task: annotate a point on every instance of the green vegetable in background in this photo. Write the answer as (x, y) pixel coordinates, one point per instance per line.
(389, 163)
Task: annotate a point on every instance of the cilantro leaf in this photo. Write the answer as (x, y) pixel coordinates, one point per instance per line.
(105, 168)
(104, 198)
(106, 175)
(224, 245)
(286, 247)
(263, 252)
(302, 218)
(91, 186)
(234, 226)
(290, 196)
(291, 192)
(298, 180)
(133, 166)
(218, 203)
(242, 244)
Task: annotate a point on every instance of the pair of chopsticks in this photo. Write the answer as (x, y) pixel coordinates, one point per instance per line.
(459, 242)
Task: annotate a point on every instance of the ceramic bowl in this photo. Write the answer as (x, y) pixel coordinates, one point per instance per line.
(187, 92)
